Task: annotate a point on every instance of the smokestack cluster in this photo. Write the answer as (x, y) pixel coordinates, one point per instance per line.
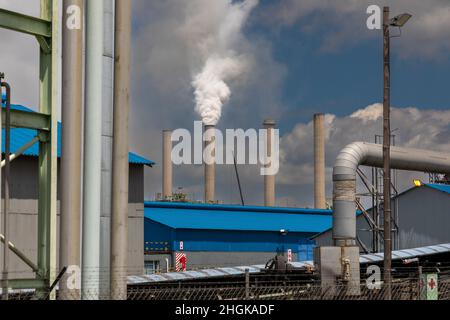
(209, 159)
(319, 162)
(167, 165)
(269, 180)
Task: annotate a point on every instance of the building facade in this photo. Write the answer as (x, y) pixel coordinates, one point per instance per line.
(24, 191)
(212, 236)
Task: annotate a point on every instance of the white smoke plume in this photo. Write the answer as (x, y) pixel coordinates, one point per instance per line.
(222, 63)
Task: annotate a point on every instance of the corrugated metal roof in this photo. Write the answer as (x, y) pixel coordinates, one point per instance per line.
(20, 137)
(407, 254)
(441, 187)
(191, 275)
(222, 272)
(218, 217)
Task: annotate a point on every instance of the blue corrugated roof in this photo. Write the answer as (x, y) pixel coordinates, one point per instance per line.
(19, 137)
(441, 187)
(224, 217)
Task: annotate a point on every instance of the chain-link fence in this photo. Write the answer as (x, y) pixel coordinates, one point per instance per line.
(402, 289)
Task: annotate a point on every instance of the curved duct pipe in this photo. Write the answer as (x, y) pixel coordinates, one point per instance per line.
(369, 154)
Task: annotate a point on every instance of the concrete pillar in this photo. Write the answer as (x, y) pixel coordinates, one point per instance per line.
(269, 180)
(209, 159)
(319, 162)
(167, 165)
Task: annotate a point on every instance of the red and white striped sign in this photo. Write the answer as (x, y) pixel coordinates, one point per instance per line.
(180, 262)
(289, 255)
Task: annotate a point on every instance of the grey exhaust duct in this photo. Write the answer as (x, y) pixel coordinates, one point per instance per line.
(344, 179)
(342, 260)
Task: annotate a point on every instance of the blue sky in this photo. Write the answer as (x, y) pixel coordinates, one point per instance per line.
(340, 81)
(302, 57)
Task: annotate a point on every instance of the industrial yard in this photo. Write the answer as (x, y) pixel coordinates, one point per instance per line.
(301, 196)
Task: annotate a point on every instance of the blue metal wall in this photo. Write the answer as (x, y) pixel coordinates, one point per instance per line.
(158, 236)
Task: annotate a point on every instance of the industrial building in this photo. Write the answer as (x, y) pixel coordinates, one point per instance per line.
(423, 220)
(24, 202)
(228, 235)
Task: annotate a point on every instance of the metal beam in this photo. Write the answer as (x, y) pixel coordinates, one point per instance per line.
(28, 120)
(48, 151)
(24, 284)
(20, 254)
(25, 24)
(20, 151)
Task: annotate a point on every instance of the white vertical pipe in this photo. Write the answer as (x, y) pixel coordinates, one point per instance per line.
(93, 148)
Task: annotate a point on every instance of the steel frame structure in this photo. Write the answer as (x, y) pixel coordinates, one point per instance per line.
(45, 30)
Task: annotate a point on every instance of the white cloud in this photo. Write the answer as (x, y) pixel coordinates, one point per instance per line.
(343, 23)
(417, 128)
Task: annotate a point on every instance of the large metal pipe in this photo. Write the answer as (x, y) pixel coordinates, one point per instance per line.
(119, 223)
(5, 274)
(319, 162)
(344, 179)
(107, 144)
(269, 180)
(167, 165)
(92, 151)
(209, 159)
(71, 136)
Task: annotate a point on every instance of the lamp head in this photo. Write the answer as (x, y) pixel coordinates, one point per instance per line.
(400, 20)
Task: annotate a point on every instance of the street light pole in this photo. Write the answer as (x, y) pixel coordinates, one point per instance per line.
(387, 155)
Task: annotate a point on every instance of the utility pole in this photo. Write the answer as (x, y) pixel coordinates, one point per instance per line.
(119, 222)
(387, 155)
(70, 224)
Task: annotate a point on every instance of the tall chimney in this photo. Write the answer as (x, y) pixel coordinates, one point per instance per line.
(319, 162)
(269, 180)
(167, 165)
(210, 169)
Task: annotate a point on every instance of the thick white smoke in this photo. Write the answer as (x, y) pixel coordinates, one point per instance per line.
(222, 63)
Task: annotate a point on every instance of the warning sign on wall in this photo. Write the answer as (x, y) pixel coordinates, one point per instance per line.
(180, 262)
(289, 255)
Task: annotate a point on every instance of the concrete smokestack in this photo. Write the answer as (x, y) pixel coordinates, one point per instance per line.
(319, 162)
(209, 160)
(167, 165)
(269, 180)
